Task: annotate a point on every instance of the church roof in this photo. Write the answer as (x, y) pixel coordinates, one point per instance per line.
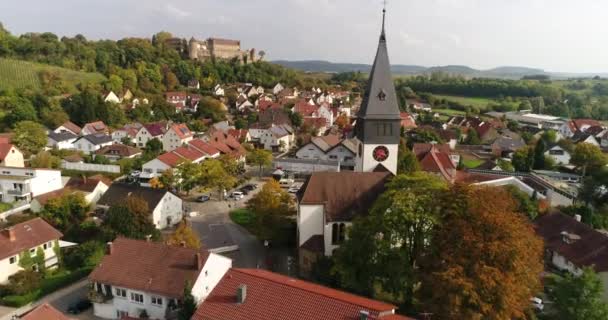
(380, 101)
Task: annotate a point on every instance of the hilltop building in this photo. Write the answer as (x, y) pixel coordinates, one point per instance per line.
(216, 48)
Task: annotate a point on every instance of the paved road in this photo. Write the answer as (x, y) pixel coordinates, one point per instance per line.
(251, 253)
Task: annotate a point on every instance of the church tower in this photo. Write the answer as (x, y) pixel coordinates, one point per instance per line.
(378, 120)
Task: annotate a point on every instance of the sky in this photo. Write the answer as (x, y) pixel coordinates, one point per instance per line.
(554, 35)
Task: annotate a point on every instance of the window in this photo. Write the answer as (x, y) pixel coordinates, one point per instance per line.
(136, 297)
(33, 251)
(157, 301)
(333, 157)
(384, 129)
(12, 260)
(334, 233)
(121, 292)
(6, 172)
(44, 246)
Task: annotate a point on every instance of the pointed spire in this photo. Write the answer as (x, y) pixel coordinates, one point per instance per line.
(383, 35)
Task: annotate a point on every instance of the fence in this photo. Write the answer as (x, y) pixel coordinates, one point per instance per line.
(16, 209)
(111, 168)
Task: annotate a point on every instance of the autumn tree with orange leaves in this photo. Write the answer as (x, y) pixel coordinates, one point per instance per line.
(486, 260)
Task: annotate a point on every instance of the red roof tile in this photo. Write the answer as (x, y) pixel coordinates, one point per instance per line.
(188, 153)
(155, 129)
(44, 312)
(181, 130)
(72, 127)
(171, 159)
(270, 296)
(203, 147)
(407, 121)
(26, 235)
(5, 148)
(149, 266)
(436, 159)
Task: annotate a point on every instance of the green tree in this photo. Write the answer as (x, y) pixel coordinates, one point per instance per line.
(45, 159)
(214, 176)
(187, 175)
(261, 158)
(29, 136)
(153, 147)
(472, 137)
(523, 159)
(539, 154)
(550, 137)
(578, 297)
(66, 211)
(407, 162)
(184, 235)
(271, 206)
(588, 157)
(188, 305)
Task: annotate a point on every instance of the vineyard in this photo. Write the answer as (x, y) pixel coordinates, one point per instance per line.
(18, 74)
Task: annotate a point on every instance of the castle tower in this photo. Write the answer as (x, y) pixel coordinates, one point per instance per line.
(378, 120)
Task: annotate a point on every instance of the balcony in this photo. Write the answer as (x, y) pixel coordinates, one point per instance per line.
(18, 192)
(99, 297)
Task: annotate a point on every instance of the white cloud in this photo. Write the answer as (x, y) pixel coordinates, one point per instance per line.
(176, 12)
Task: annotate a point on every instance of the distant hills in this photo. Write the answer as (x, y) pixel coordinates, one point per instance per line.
(507, 72)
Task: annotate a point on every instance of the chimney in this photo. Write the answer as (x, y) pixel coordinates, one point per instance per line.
(577, 217)
(363, 315)
(241, 294)
(197, 261)
(110, 248)
(10, 232)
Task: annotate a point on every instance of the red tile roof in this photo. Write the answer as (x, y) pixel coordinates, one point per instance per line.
(118, 149)
(239, 134)
(305, 109)
(203, 147)
(44, 312)
(579, 124)
(26, 235)
(149, 266)
(155, 129)
(182, 130)
(189, 153)
(407, 121)
(171, 159)
(436, 159)
(270, 296)
(5, 148)
(72, 127)
(96, 127)
(316, 123)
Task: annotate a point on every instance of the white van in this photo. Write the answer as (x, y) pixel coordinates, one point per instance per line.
(286, 183)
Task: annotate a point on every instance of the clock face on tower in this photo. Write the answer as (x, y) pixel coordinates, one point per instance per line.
(380, 153)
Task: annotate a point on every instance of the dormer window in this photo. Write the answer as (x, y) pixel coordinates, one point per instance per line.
(382, 95)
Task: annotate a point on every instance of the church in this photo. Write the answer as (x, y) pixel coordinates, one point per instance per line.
(329, 201)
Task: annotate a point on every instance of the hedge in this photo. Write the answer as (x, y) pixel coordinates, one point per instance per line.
(49, 285)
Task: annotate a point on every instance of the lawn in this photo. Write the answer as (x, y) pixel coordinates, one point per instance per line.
(480, 103)
(242, 217)
(472, 163)
(450, 112)
(19, 74)
(5, 206)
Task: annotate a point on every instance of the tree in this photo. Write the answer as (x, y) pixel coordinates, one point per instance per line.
(588, 157)
(271, 206)
(29, 136)
(505, 165)
(184, 235)
(66, 211)
(472, 137)
(45, 159)
(154, 146)
(550, 137)
(131, 220)
(578, 297)
(486, 259)
(260, 157)
(397, 234)
(295, 118)
(87, 254)
(342, 121)
(213, 175)
(167, 179)
(523, 159)
(407, 161)
(188, 306)
(187, 175)
(539, 154)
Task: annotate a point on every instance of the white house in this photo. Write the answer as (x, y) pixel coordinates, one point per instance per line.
(27, 238)
(277, 88)
(585, 138)
(329, 147)
(22, 184)
(61, 141)
(165, 207)
(148, 132)
(218, 90)
(170, 160)
(91, 188)
(95, 127)
(328, 206)
(275, 138)
(68, 127)
(176, 136)
(162, 273)
(10, 156)
(90, 143)
(559, 155)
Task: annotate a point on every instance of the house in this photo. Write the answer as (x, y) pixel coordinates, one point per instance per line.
(244, 105)
(176, 97)
(92, 142)
(328, 204)
(418, 105)
(61, 141)
(96, 127)
(437, 159)
(118, 151)
(558, 154)
(330, 147)
(277, 88)
(277, 138)
(127, 132)
(176, 136)
(407, 121)
(92, 188)
(570, 128)
(23, 184)
(165, 207)
(194, 84)
(582, 137)
(44, 311)
(226, 145)
(218, 91)
(68, 127)
(170, 160)
(506, 145)
(150, 131)
(256, 294)
(112, 98)
(139, 277)
(27, 238)
(241, 135)
(10, 156)
(571, 245)
(205, 148)
(318, 125)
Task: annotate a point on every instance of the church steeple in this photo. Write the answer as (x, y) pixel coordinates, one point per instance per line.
(382, 34)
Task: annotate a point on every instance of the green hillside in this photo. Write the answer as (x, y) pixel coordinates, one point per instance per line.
(23, 74)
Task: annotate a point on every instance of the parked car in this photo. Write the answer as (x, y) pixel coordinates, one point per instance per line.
(286, 182)
(79, 306)
(537, 303)
(294, 188)
(237, 195)
(244, 190)
(203, 198)
(250, 187)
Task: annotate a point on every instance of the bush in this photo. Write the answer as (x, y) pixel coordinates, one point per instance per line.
(87, 254)
(24, 281)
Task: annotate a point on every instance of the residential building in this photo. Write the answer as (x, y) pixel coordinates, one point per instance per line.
(277, 138)
(570, 128)
(92, 188)
(97, 127)
(559, 155)
(582, 137)
(241, 135)
(112, 98)
(150, 131)
(330, 147)
(257, 294)
(68, 127)
(176, 136)
(23, 184)
(407, 121)
(437, 159)
(137, 276)
(171, 160)
(506, 145)
(61, 141)
(92, 142)
(165, 207)
(277, 88)
(10, 156)
(218, 91)
(571, 245)
(128, 132)
(194, 84)
(327, 206)
(44, 311)
(118, 151)
(27, 238)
